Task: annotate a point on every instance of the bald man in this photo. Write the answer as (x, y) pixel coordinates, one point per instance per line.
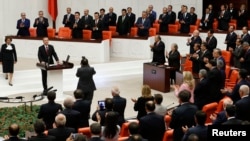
(23, 25)
(195, 39)
(110, 19)
(242, 105)
(13, 133)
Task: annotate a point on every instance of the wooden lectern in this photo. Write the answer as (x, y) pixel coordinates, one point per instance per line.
(55, 74)
(157, 76)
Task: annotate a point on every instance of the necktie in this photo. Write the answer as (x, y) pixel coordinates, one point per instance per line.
(143, 21)
(86, 17)
(96, 22)
(123, 17)
(184, 16)
(47, 50)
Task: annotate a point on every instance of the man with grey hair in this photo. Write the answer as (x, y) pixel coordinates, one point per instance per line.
(201, 90)
(95, 129)
(60, 131)
(242, 105)
(119, 104)
(245, 58)
(73, 117)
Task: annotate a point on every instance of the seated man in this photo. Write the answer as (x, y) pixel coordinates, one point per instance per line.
(133, 129)
(95, 129)
(13, 133)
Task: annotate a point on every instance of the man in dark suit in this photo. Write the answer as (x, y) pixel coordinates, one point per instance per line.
(185, 20)
(110, 19)
(194, 39)
(143, 24)
(223, 19)
(68, 19)
(60, 131)
(131, 16)
(39, 127)
(87, 20)
(86, 82)
(242, 16)
(152, 12)
(23, 26)
(199, 129)
(82, 106)
(180, 12)
(206, 55)
(207, 20)
(77, 27)
(217, 55)
(158, 49)
(13, 133)
(245, 37)
(170, 17)
(193, 16)
(41, 23)
(231, 37)
(97, 26)
(233, 11)
(152, 125)
(163, 20)
(46, 52)
(150, 16)
(236, 53)
(183, 115)
(211, 40)
(245, 58)
(96, 130)
(195, 58)
(133, 129)
(49, 110)
(242, 105)
(231, 119)
(102, 14)
(123, 24)
(119, 104)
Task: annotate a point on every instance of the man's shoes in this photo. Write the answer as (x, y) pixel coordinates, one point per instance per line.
(6, 77)
(10, 84)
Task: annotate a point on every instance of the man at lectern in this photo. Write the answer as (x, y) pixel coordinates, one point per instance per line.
(158, 49)
(45, 54)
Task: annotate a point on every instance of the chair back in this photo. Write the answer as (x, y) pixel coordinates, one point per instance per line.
(209, 109)
(173, 28)
(124, 129)
(198, 22)
(32, 32)
(233, 24)
(85, 131)
(220, 104)
(187, 66)
(227, 71)
(51, 32)
(152, 31)
(193, 28)
(157, 27)
(133, 31)
(227, 56)
(107, 35)
(178, 24)
(215, 25)
(167, 120)
(168, 135)
(64, 32)
(122, 138)
(233, 76)
(86, 34)
(113, 30)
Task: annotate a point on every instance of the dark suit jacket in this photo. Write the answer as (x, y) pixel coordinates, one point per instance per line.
(123, 27)
(42, 137)
(109, 20)
(73, 118)
(95, 139)
(242, 108)
(221, 118)
(130, 139)
(232, 121)
(151, 18)
(208, 24)
(146, 24)
(193, 41)
(77, 31)
(70, 21)
(41, 27)
(206, 54)
(245, 64)
(195, 62)
(83, 106)
(119, 106)
(183, 115)
(201, 93)
(159, 52)
(185, 27)
(44, 57)
(237, 54)
(152, 127)
(174, 60)
(231, 39)
(214, 83)
(23, 31)
(193, 19)
(61, 133)
(97, 34)
(211, 43)
(242, 19)
(87, 23)
(140, 106)
(15, 139)
(86, 82)
(132, 17)
(48, 113)
(200, 130)
(233, 13)
(169, 18)
(245, 38)
(223, 21)
(6, 54)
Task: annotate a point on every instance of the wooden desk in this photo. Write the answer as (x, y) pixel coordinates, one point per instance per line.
(157, 77)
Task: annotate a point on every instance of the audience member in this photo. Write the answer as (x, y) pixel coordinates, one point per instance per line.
(13, 133)
(95, 129)
(231, 37)
(86, 83)
(152, 12)
(193, 16)
(77, 27)
(242, 105)
(159, 108)
(110, 19)
(194, 39)
(211, 40)
(41, 23)
(195, 58)
(223, 18)
(236, 53)
(133, 129)
(143, 24)
(174, 61)
(87, 20)
(245, 59)
(158, 49)
(83, 106)
(185, 20)
(206, 20)
(164, 20)
(245, 36)
(102, 14)
(206, 55)
(60, 131)
(183, 115)
(152, 125)
(131, 16)
(150, 16)
(200, 129)
(180, 12)
(231, 119)
(68, 18)
(39, 127)
(187, 84)
(119, 104)
(221, 117)
(123, 23)
(211, 11)
(8, 57)
(97, 26)
(49, 110)
(139, 104)
(170, 16)
(23, 25)
(77, 137)
(193, 137)
(233, 11)
(242, 16)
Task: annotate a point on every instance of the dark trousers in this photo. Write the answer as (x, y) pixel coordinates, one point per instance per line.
(44, 79)
(88, 96)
